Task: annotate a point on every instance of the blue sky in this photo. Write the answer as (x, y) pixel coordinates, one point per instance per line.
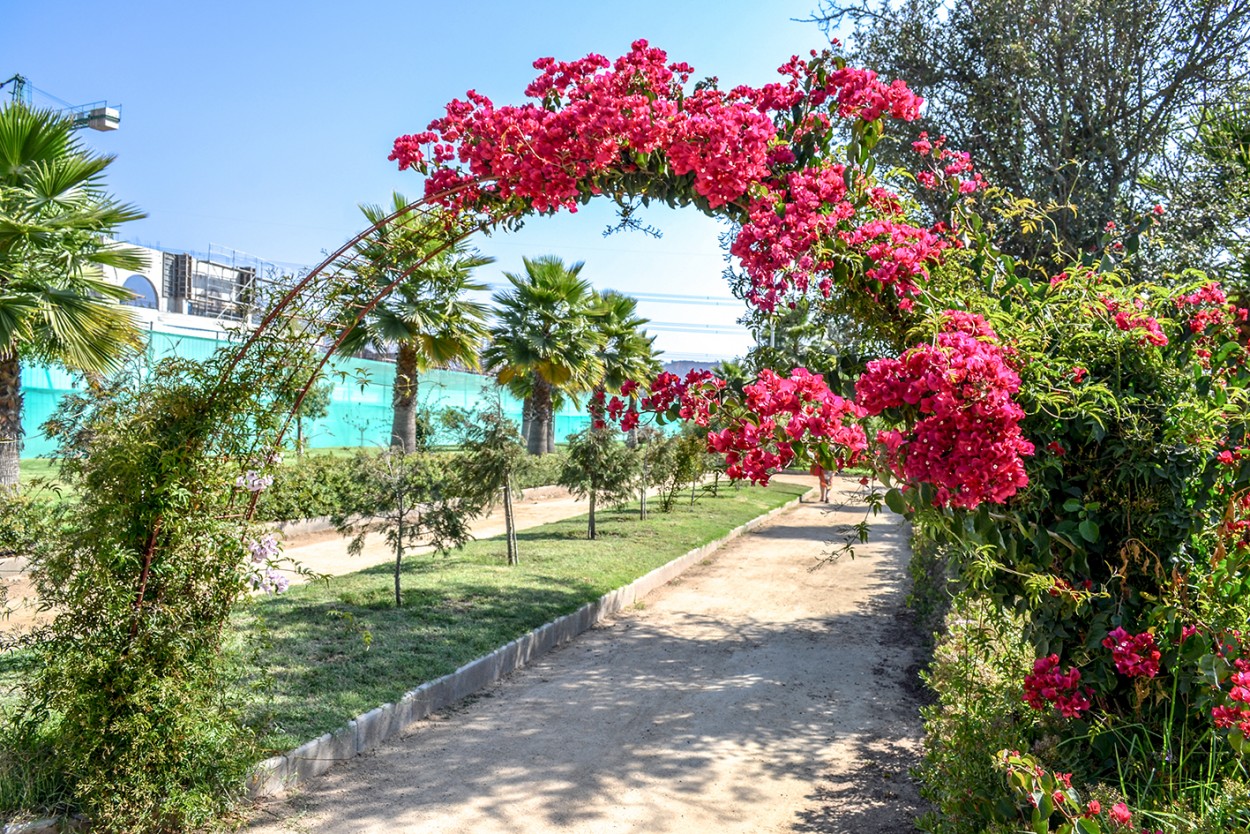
(260, 126)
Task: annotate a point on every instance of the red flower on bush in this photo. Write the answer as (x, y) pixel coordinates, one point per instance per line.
(1120, 814)
(966, 437)
(1049, 686)
(1135, 655)
(778, 413)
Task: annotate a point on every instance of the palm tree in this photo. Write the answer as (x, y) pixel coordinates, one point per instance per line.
(544, 343)
(427, 316)
(54, 302)
(627, 351)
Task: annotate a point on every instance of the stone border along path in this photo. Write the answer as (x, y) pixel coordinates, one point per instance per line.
(753, 695)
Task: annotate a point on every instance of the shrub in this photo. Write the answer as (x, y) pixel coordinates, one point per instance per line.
(674, 462)
(128, 699)
(599, 466)
(975, 674)
(540, 470)
(1123, 562)
(311, 487)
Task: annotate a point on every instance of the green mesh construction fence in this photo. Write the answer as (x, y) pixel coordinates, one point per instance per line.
(360, 403)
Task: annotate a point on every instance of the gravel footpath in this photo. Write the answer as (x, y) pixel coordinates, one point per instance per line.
(754, 694)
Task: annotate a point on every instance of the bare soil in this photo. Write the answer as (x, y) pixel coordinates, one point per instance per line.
(754, 694)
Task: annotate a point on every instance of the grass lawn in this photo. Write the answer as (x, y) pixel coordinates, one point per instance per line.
(338, 649)
(38, 468)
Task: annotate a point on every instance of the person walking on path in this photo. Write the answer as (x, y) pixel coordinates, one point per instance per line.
(825, 477)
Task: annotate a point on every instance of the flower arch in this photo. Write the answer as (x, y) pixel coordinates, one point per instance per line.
(791, 163)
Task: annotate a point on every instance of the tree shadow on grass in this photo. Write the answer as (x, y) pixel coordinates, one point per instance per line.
(331, 660)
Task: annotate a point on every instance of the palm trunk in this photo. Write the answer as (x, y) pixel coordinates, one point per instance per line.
(591, 531)
(404, 400)
(10, 420)
(540, 418)
(527, 417)
(551, 434)
(642, 490)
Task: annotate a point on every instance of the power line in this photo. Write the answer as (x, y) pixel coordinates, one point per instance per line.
(667, 298)
(672, 327)
(660, 297)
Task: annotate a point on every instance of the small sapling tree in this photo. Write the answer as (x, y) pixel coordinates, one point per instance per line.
(599, 467)
(491, 449)
(673, 462)
(314, 406)
(646, 442)
(410, 500)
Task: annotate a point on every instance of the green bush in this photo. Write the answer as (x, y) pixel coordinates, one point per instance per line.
(311, 487)
(129, 712)
(540, 470)
(975, 675)
(1134, 396)
(674, 463)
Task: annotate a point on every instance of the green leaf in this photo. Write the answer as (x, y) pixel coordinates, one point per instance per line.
(1089, 530)
(894, 500)
(1207, 665)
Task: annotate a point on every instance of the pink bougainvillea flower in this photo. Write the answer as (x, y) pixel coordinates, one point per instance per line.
(1135, 655)
(966, 437)
(1048, 686)
(1120, 814)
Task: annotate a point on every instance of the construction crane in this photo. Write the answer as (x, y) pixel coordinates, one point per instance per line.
(97, 115)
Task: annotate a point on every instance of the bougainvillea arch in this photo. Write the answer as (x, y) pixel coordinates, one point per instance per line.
(791, 163)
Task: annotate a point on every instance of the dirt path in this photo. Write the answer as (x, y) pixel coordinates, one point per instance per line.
(752, 695)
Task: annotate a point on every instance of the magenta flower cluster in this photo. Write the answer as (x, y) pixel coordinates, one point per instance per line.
(782, 412)
(1237, 713)
(1048, 685)
(593, 121)
(1208, 306)
(1135, 655)
(966, 438)
(1144, 326)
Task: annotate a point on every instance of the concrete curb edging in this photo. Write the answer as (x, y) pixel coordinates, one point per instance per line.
(366, 732)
